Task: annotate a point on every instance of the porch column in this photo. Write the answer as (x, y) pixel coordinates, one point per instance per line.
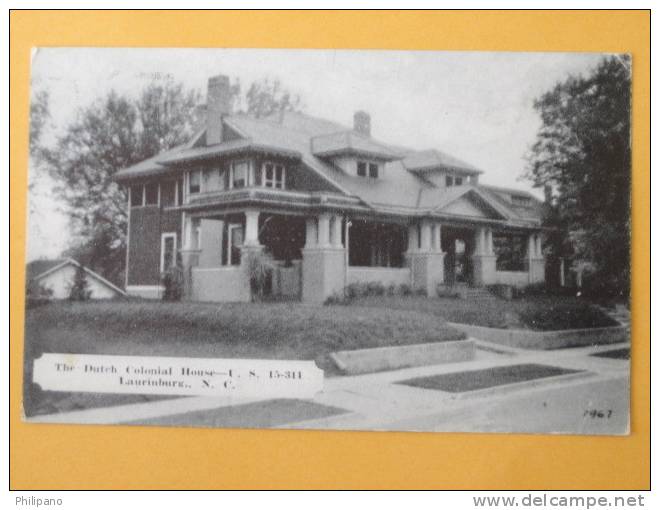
(311, 233)
(426, 261)
(413, 241)
(251, 227)
(189, 258)
(536, 271)
(437, 238)
(483, 260)
(324, 230)
(426, 236)
(324, 265)
(336, 231)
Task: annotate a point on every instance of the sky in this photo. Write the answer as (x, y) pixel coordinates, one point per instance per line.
(477, 106)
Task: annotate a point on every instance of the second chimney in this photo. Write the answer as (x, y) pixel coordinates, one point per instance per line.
(218, 104)
(362, 123)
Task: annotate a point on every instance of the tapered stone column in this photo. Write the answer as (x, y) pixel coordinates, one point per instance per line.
(483, 260)
(425, 258)
(536, 259)
(324, 264)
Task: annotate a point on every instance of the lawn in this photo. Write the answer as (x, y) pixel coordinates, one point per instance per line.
(539, 313)
(266, 330)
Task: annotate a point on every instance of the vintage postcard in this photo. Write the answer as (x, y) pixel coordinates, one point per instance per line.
(323, 239)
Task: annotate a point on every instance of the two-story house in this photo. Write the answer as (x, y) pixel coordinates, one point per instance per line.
(329, 203)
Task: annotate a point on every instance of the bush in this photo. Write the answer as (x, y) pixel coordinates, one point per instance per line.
(260, 266)
(405, 289)
(172, 281)
(37, 294)
(79, 290)
(443, 291)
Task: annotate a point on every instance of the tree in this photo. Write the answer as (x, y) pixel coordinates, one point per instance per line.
(79, 290)
(113, 133)
(118, 131)
(267, 96)
(583, 155)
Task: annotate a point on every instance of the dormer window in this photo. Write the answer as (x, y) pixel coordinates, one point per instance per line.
(451, 180)
(273, 175)
(367, 168)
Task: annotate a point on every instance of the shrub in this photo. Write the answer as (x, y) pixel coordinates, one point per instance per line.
(37, 294)
(375, 289)
(443, 291)
(260, 266)
(79, 290)
(391, 289)
(565, 316)
(405, 289)
(172, 281)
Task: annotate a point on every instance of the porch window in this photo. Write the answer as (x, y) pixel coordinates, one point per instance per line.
(213, 179)
(167, 251)
(239, 174)
(373, 170)
(273, 175)
(511, 251)
(449, 180)
(195, 182)
(234, 243)
(458, 181)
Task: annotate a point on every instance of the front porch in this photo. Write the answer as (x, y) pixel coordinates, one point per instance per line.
(310, 257)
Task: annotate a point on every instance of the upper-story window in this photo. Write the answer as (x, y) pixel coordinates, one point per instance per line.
(239, 173)
(273, 175)
(195, 182)
(213, 179)
(368, 168)
(145, 194)
(451, 180)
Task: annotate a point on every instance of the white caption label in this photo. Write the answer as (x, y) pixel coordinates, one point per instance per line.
(178, 376)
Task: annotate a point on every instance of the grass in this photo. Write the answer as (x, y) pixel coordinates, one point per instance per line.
(543, 313)
(271, 413)
(459, 382)
(615, 354)
(270, 331)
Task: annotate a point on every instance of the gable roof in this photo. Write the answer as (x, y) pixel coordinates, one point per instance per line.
(38, 269)
(403, 188)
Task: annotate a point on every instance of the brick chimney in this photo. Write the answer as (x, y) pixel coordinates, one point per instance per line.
(362, 123)
(218, 104)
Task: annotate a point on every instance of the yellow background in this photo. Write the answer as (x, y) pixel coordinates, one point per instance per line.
(68, 457)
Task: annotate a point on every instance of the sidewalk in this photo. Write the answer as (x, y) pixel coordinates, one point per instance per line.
(377, 402)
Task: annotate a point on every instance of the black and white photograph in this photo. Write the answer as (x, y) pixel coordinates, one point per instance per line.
(423, 241)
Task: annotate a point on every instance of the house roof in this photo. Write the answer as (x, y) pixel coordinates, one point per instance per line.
(433, 159)
(350, 143)
(38, 269)
(402, 189)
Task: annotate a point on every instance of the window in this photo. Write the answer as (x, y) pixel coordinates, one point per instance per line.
(511, 252)
(137, 195)
(449, 180)
(234, 243)
(151, 194)
(168, 193)
(367, 166)
(273, 175)
(458, 181)
(167, 251)
(239, 174)
(194, 182)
